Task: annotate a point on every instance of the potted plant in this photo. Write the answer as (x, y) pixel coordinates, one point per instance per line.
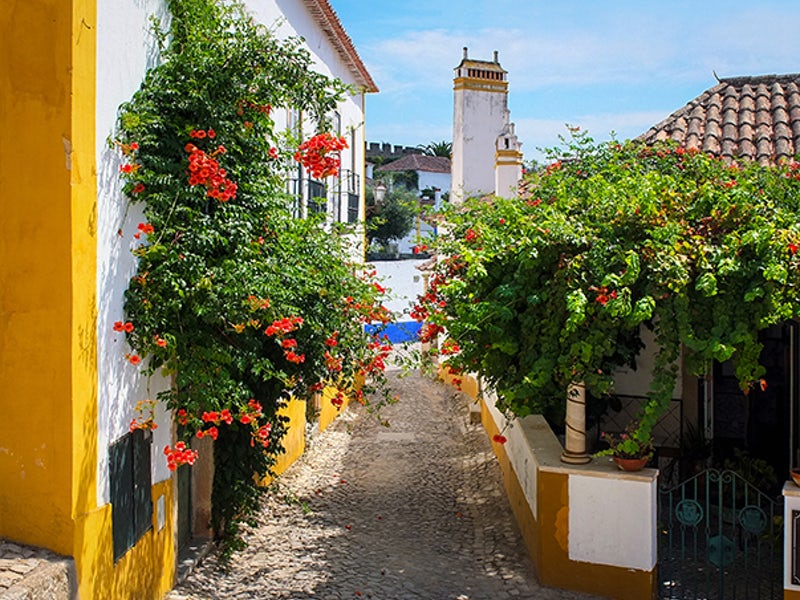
(630, 450)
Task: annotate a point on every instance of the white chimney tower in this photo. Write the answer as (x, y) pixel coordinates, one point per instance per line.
(480, 118)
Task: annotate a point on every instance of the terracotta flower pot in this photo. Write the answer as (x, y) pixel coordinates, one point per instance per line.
(795, 473)
(631, 464)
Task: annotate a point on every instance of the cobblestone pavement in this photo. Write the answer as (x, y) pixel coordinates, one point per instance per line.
(18, 562)
(413, 511)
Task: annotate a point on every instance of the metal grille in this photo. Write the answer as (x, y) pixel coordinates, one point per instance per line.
(719, 537)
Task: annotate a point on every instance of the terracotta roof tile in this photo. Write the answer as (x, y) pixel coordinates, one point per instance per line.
(418, 162)
(754, 118)
(328, 20)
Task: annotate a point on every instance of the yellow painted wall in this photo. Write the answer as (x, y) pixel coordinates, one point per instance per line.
(48, 364)
(37, 326)
(146, 571)
(329, 411)
(791, 595)
(294, 442)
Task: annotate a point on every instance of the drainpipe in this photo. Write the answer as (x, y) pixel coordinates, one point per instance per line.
(575, 443)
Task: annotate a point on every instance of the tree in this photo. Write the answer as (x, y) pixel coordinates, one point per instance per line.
(393, 218)
(442, 148)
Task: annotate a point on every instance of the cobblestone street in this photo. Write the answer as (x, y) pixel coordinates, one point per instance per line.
(413, 511)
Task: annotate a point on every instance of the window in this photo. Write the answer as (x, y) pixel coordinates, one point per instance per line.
(131, 501)
(317, 197)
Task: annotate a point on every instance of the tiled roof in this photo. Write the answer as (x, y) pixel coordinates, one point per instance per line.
(329, 22)
(753, 118)
(418, 162)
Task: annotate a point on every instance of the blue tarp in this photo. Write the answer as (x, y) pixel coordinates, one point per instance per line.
(398, 333)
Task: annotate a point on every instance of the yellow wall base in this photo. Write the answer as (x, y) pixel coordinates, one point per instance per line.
(791, 595)
(146, 571)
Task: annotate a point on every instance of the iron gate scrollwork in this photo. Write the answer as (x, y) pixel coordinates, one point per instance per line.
(719, 537)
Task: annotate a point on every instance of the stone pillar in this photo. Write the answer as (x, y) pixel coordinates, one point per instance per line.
(575, 443)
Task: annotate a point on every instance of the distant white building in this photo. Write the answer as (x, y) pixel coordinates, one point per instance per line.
(433, 173)
(486, 152)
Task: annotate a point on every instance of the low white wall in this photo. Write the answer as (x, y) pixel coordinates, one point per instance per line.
(520, 450)
(404, 282)
(791, 545)
(612, 514)
(612, 521)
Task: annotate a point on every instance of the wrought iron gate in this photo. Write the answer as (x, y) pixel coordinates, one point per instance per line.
(719, 537)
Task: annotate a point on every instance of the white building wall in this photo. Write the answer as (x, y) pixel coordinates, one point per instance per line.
(612, 521)
(403, 281)
(126, 48)
(290, 18)
(428, 179)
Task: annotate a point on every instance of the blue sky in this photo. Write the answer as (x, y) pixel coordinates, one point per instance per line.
(606, 66)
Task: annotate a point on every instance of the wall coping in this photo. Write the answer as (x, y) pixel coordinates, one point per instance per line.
(545, 446)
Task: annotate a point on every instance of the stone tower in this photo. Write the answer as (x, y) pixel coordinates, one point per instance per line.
(483, 138)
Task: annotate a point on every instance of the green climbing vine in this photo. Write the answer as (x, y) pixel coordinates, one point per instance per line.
(244, 304)
(538, 292)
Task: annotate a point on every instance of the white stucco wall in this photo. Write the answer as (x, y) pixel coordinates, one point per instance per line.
(612, 521)
(125, 50)
(428, 179)
(478, 118)
(403, 281)
(289, 18)
(519, 450)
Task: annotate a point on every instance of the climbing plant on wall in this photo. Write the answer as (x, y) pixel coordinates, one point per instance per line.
(244, 304)
(538, 292)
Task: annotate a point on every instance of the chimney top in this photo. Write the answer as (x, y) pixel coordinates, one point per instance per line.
(465, 52)
(496, 60)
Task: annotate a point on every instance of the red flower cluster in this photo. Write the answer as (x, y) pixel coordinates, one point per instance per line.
(333, 363)
(257, 303)
(284, 326)
(262, 435)
(280, 328)
(450, 347)
(603, 295)
(127, 327)
(499, 439)
(179, 455)
(429, 331)
(470, 235)
(419, 248)
(262, 108)
(144, 228)
(382, 349)
(200, 134)
(320, 154)
(205, 170)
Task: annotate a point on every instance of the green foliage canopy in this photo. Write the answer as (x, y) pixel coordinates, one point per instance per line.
(540, 292)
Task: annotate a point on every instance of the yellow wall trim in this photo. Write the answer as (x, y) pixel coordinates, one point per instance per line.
(479, 85)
